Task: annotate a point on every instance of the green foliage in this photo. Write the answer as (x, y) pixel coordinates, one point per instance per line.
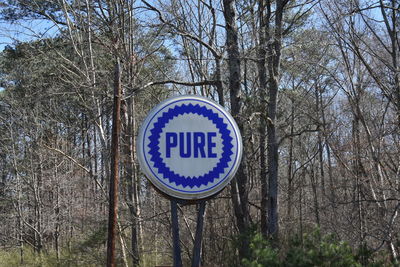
(315, 249)
(12, 258)
(366, 257)
(88, 252)
(261, 253)
(90, 249)
(95, 239)
(13, 10)
(311, 249)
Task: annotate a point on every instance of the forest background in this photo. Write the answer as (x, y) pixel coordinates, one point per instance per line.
(313, 85)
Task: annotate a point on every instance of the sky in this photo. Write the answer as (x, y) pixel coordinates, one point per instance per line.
(26, 30)
(23, 31)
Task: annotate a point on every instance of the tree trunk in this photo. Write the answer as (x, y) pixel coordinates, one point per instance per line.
(272, 159)
(393, 34)
(290, 168)
(314, 186)
(319, 106)
(38, 208)
(131, 178)
(239, 190)
(262, 76)
(114, 179)
(274, 48)
(57, 213)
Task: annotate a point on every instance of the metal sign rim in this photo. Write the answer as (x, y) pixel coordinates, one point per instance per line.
(206, 193)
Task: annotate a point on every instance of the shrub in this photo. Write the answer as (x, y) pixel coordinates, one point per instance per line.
(261, 253)
(312, 249)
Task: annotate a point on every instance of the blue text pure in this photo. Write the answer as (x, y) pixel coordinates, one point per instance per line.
(191, 144)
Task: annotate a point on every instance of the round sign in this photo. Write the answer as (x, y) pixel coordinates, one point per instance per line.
(189, 147)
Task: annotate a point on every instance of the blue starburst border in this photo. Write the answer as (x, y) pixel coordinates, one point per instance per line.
(156, 155)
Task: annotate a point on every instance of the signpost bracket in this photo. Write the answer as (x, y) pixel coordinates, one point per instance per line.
(175, 234)
(177, 257)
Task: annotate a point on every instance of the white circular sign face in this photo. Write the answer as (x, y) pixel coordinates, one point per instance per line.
(189, 147)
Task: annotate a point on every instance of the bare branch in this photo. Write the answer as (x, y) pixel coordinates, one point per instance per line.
(182, 32)
(200, 83)
(80, 166)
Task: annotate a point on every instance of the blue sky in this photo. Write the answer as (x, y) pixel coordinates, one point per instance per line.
(26, 30)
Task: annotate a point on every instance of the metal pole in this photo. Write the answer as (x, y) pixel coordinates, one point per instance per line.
(196, 259)
(175, 234)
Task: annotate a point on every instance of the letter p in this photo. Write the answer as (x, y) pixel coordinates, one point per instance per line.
(171, 140)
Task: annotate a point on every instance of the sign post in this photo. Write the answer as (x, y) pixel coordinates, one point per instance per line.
(175, 234)
(190, 148)
(199, 234)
